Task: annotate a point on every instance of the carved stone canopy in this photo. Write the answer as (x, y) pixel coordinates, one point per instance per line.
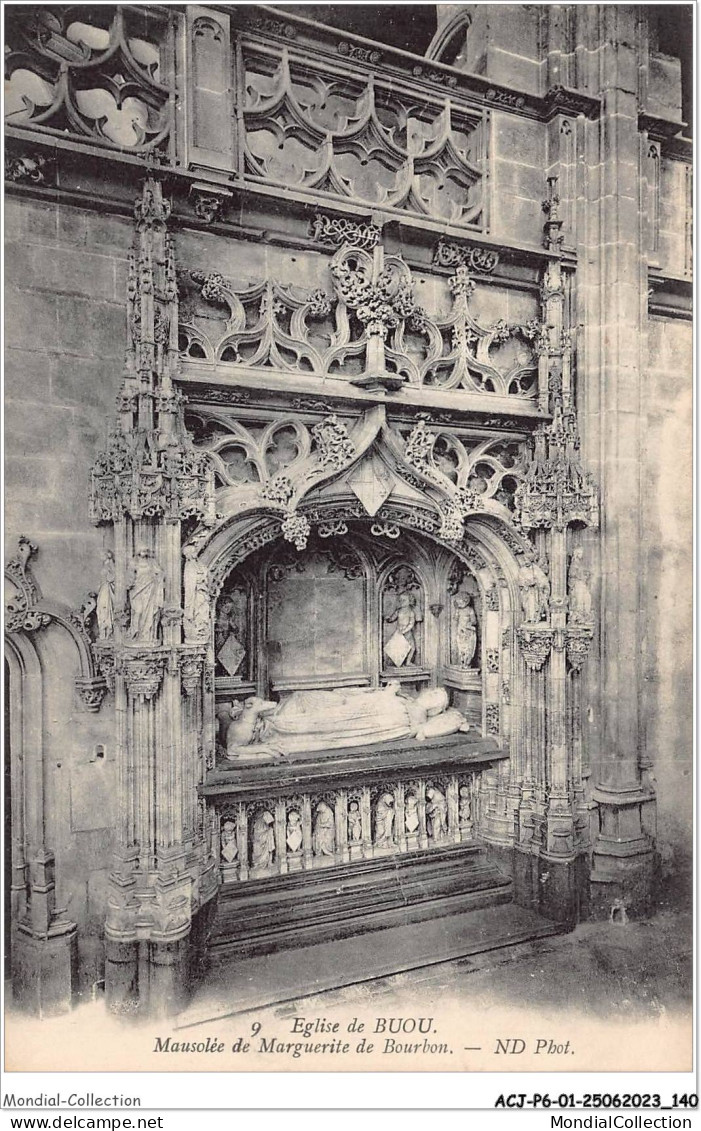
(27, 611)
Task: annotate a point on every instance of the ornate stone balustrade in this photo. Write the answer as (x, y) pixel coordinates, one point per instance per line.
(342, 123)
(372, 802)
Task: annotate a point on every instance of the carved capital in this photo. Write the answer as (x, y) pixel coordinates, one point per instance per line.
(92, 691)
(191, 673)
(578, 642)
(144, 674)
(107, 664)
(171, 615)
(536, 641)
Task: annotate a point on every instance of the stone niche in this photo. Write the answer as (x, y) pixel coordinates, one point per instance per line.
(349, 834)
(351, 610)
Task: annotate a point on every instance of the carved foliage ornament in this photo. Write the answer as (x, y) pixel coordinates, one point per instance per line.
(448, 253)
(27, 611)
(175, 482)
(143, 672)
(333, 445)
(470, 478)
(191, 673)
(379, 303)
(334, 231)
(536, 642)
(578, 642)
(556, 491)
(20, 616)
(283, 327)
(27, 168)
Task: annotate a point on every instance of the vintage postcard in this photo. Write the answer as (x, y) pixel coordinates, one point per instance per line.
(348, 517)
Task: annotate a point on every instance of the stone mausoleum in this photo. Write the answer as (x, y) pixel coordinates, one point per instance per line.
(348, 468)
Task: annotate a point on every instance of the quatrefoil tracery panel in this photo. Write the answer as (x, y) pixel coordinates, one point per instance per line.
(354, 138)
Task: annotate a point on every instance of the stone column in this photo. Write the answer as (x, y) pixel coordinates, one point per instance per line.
(147, 481)
(612, 298)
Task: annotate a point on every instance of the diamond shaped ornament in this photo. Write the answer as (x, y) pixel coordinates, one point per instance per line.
(371, 482)
(397, 648)
(231, 654)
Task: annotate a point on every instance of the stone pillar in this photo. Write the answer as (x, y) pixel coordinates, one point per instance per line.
(612, 301)
(145, 484)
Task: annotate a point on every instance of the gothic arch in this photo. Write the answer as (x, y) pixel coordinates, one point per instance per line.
(442, 40)
(42, 982)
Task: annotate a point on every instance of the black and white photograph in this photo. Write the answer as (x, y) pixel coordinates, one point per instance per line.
(348, 523)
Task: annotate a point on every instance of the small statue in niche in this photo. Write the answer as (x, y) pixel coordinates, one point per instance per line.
(464, 806)
(401, 646)
(195, 597)
(355, 823)
(294, 832)
(578, 589)
(534, 587)
(229, 847)
(323, 839)
(384, 819)
(88, 614)
(465, 628)
(146, 597)
(436, 813)
(263, 852)
(230, 652)
(411, 814)
(104, 608)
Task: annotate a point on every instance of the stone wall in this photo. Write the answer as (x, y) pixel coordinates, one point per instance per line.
(65, 320)
(667, 571)
(65, 332)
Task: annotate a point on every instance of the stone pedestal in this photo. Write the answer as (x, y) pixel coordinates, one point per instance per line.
(44, 970)
(624, 858)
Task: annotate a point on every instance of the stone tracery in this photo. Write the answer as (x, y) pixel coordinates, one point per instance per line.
(472, 495)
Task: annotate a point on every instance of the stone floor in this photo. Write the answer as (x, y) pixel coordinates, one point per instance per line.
(619, 993)
(640, 969)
